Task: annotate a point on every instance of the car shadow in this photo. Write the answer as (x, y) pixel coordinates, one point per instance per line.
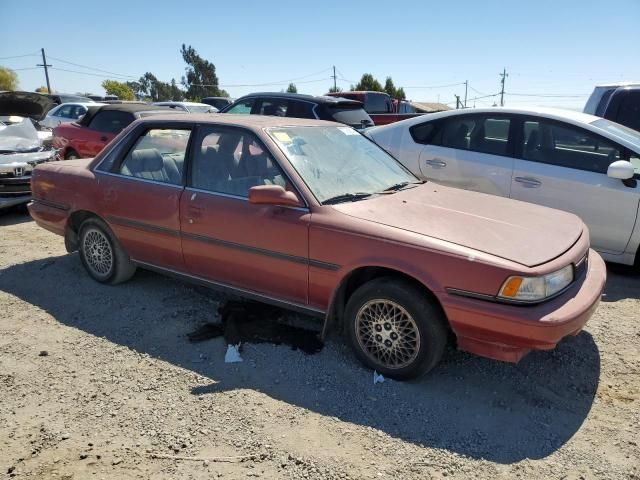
(14, 216)
(622, 283)
(468, 405)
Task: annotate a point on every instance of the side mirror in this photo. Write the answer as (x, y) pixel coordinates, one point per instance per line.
(621, 170)
(273, 195)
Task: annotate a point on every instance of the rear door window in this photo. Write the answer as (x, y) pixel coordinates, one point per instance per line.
(567, 146)
(158, 155)
(64, 111)
(484, 134)
(110, 121)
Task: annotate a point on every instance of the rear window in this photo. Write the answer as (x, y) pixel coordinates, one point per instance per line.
(110, 121)
(354, 116)
(377, 103)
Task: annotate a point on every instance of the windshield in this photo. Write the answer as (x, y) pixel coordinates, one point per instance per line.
(620, 131)
(200, 108)
(336, 161)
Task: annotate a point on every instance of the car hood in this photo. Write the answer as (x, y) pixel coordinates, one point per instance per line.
(25, 104)
(520, 232)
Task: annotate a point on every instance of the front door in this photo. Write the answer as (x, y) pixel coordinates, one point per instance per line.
(225, 239)
(140, 197)
(471, 152)
(563, 166)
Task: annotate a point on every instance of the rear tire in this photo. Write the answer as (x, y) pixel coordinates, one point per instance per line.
(101, 253)
(71, 155)
(395, 328)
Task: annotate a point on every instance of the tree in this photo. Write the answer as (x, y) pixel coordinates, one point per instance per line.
(42, 89)
(8, 79)
(367, 82)
(391, 89)
(335, 90)
(149, 87)
(201, 79)
(292, 88)
(119, 89)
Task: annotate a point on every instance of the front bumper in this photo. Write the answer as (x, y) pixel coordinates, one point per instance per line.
(509, 332)
(15, 175)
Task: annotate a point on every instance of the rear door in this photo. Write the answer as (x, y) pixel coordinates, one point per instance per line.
(473, 152)
(564, 166)
(140, 195)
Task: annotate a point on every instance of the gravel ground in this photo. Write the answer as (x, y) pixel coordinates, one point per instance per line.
(101, 382)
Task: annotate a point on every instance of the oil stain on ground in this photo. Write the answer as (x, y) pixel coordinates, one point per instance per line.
(254, 322)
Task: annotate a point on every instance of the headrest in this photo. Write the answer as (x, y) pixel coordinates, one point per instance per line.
(146, 160)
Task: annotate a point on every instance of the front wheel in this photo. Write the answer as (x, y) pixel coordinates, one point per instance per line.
(101, 254)
(395, 328)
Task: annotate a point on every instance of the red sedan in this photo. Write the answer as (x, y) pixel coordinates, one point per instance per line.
(313, 216)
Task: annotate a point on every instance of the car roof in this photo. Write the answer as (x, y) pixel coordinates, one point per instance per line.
(130, 107)
(84, 104)
(619, 84)
(300, 96)
(178, 102)
(250, 121)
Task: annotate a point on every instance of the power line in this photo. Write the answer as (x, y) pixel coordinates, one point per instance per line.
(81, 73)
(92, 68)
(21, 56)
(548, 95)
(437, 86)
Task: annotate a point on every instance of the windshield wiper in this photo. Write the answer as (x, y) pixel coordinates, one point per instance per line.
(346, 197)
(400, 186)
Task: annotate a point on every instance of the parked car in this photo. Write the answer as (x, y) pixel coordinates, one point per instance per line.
(380, 106)
(218, 102)
(618, 102)
(88, 136)
(66, 113)
(562, 159)
(189, 107)
(297, 105)
(313, 216)
(60, 98)
(23, 145)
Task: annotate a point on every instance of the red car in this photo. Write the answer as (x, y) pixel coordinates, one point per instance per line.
(89, 135)
(382, 109)
(313, 216)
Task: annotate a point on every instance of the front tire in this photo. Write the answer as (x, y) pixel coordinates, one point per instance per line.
(395, 328)
(101, 254)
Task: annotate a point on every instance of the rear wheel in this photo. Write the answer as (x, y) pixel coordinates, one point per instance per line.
(395, 328)
(101, 254)
(71, 155)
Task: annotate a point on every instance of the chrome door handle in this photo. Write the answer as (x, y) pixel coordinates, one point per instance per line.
(436, 163)
(528, 182)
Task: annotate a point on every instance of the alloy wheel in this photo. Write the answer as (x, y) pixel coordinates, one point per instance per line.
(98, 253)
(387, 333)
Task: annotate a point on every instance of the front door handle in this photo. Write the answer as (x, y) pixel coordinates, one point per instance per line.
(528, 182)
(437, 163)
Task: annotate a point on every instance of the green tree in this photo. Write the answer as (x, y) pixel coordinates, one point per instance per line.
(201, 79)
(335, 90)
(149, 87)
(8, 79)
(42, 89)
(391, 89)
(292, 88)
(119, 89)
(367, 82)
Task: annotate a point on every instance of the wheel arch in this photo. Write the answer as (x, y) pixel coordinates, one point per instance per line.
(72, 228)
(358, 277)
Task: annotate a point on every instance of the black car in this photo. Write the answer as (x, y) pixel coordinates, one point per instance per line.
(336, 109)
(218, 102)
(616, 102)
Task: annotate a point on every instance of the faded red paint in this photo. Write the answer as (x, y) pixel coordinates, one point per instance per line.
(441, 237)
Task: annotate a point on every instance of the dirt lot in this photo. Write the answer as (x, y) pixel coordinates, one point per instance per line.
(101, 382)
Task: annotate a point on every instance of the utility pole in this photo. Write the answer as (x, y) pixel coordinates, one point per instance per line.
(504, 75)
(466, 85)
(335, 86)
(46, 72)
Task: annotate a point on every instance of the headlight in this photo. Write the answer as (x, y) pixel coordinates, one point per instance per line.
(532, 289)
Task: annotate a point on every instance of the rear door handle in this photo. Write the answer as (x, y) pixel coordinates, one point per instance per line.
(437, 163)
(528, 182)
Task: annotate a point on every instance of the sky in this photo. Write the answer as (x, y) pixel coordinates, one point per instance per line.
(554, 52)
